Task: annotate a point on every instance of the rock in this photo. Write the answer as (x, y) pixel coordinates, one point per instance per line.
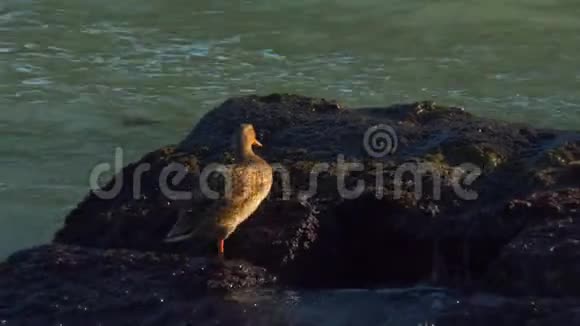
(544, 259)
(71, 285)
(455, 200)
(432, 217)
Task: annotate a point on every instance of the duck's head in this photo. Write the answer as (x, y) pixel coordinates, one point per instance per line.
(247, 138)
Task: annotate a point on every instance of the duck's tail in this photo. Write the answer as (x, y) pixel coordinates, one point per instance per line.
(183, 229)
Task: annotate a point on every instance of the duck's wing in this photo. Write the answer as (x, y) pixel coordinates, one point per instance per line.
(247, 181)
(189, 223)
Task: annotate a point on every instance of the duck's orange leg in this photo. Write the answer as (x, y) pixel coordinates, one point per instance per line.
(220, 245)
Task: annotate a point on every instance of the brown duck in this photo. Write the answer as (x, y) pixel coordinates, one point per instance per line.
(250, 180)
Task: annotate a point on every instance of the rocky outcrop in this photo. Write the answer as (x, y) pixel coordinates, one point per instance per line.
(59, 284)
(455, 200)
(544, 259)
(402, 238)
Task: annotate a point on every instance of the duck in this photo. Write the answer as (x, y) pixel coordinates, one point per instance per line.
(250, 181)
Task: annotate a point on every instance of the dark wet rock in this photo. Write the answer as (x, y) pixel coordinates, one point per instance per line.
(424, 215)
(544, 259)
(417, 226)
(560, 165)
(71, 285)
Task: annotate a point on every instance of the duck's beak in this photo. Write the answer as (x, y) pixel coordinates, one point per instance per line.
(257, 143)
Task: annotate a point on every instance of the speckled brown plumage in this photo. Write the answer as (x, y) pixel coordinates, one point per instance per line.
(248, 182)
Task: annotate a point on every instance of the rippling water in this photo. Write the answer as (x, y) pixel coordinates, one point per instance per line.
(418, 306)
(79, 77)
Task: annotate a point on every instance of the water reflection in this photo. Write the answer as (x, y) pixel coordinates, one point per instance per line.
(409, 306)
